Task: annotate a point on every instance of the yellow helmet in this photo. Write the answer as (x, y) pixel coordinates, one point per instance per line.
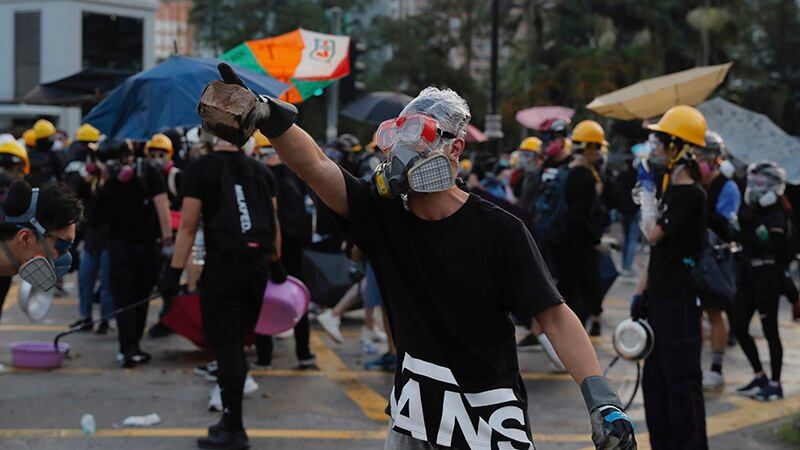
(531, 144)
(14, 148)
(684, 122)
(87, 133)
(465, 165)
(159, 141)
(261, 140)
(589, 131)
(29, 137)
(44, 128)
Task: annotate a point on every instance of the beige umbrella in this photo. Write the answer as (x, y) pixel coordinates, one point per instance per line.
(653, 97)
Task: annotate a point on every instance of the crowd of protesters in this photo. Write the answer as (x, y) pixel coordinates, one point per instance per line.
(680, 193)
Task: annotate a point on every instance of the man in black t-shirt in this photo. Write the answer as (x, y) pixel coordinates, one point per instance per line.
(235, 197)
(674, 226)
(457, 382)
(133, 203)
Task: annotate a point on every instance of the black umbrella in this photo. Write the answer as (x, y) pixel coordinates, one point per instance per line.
(376, 107)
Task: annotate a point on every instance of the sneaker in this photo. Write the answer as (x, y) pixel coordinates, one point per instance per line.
(372, 335)
(228, 440)
(159, 330)
(529, 343)
(220, 426)
(85, 324)
(308, 364)
(769, 393)
(103, 328)
(126, 361)
(250, 385)
(208, 371)
(594, 329)
(754, 387)
(330, 324)
(712, 380)
(386, 363)
(215, 399)
(627, 273)
(141, 357)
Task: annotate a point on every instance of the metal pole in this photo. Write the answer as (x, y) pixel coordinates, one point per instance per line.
(493, 119)
(332, 127)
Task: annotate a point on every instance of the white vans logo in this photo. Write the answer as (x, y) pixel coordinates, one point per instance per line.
(244, 214)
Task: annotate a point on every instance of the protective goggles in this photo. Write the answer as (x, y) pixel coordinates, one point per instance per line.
(417, 129)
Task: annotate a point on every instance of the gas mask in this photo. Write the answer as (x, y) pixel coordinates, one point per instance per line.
(416, 161)
(41, 271)
(766, 182)
(727, 169)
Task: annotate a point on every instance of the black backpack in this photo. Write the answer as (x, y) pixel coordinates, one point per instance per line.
(245, 220)
(550, 207)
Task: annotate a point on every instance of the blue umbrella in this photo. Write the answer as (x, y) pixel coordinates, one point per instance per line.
(166, 96)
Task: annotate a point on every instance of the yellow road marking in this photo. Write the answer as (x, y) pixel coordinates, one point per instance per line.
(253, 433)
(371, 403)
(64, 302)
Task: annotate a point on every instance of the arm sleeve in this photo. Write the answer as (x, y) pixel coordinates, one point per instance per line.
(527, 285)
(729, 200)
(360, 205)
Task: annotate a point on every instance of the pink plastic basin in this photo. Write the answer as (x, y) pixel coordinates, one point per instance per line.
(284, 306)
(37, 354)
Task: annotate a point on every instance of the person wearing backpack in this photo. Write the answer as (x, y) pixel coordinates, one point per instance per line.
(133, 203)
(235, 197)
(764, 237)
(46, 165)
(575, 252)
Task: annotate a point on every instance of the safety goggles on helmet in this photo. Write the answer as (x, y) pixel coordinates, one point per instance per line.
(417, 129)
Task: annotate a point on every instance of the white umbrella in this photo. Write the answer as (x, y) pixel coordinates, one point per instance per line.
(750, 136)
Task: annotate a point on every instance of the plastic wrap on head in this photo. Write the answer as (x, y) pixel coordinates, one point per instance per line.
(447, 107)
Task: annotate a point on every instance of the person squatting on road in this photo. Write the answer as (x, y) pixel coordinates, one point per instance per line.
(674, 225)
(759, 280)
(235, 197)
(457, 382)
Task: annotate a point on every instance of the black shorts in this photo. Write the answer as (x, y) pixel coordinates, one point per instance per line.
(715, 302)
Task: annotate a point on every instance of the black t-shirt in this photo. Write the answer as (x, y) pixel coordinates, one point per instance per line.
(683, 219)
(583, 203)
(201, 180)
(771, 245)
(128, 207)
(449, 287)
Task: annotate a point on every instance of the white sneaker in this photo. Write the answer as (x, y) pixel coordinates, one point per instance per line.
(712, 380)
(250, 385)
(215, 399)
(330, 324)
(373, 335)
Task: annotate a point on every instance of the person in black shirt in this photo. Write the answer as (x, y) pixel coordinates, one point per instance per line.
(46, 165)
(759, 277)
(133, 203)
(577, 258)
(456, 355)
(666, 295)
(235, 197)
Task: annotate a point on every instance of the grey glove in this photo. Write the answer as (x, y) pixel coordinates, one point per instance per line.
(612, 429)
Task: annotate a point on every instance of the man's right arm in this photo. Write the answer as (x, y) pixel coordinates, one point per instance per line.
(299, 151)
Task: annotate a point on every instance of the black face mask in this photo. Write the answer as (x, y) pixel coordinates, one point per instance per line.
(44, 144)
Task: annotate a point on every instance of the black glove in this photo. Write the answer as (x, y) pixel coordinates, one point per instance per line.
(639, 306)
(170, 283)
(612, 429)
(270, 115)
(277, 273)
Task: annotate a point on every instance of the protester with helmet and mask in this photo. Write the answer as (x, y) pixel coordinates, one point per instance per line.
(159, 151)
(37, 232)
(29, 139)
(133, 203)
(46, 165)
(763, 236)
(14, 165)
(455, 341)
(530, 161)
(674, 225)
(723, 203)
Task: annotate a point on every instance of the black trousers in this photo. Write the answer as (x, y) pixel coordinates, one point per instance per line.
(292, 259)
(759, 288)
(5, 285)
(672, 378)
(578, 272)
(231, 293)
(134, 272)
